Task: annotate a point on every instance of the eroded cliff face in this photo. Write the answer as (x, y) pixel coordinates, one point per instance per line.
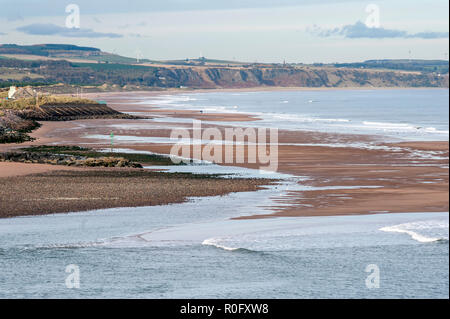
(216, 76)
(292, 77)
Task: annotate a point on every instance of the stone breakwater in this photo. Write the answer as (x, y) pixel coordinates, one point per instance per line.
(15, 124)
(69, 112)
(67, 160)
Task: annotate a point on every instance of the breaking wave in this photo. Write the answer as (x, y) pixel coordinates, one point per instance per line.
(422, 231)
(214, 242)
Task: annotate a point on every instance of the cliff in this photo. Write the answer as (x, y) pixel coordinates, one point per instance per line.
(293, 77)
(85, 66)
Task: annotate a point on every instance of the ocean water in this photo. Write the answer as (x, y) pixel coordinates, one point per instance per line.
(406, 114)
(195, 249)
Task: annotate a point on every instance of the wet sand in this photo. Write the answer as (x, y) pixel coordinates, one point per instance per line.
(8, 169)
(403, 177)
(62, 191)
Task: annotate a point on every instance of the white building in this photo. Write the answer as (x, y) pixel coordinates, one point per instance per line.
(11, 92)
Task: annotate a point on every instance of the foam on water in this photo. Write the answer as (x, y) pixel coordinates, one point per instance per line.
(216, 243)
(422, 231)
(224, 171)
(405, 114)
(291, 235)
(286, 234)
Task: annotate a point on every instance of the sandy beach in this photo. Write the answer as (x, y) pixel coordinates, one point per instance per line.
(398, 177)
(8, 169)
(57, 190)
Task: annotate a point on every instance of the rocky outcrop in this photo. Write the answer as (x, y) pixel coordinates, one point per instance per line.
(14, 124)
(68, 160)
(68, 112)
(9, 120)
(10, 136)
(13, 128)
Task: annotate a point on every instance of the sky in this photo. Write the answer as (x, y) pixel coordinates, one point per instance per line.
(306, 31)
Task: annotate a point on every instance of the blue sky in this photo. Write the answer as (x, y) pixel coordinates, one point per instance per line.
(246, 30)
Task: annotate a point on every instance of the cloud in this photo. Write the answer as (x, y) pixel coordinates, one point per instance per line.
(360, 30)
(2, 33)
(51, 29)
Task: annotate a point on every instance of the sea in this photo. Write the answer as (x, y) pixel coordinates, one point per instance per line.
(196, 250)
(406, 114)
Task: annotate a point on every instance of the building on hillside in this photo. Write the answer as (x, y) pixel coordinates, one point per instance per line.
(12, 92)
(16, 93)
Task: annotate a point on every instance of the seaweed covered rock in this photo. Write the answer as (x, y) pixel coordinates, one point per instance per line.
(10, 136)
(68, 160)
(108, 162)
(13, 128)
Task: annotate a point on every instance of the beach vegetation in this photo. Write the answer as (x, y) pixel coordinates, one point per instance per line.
(32, 102)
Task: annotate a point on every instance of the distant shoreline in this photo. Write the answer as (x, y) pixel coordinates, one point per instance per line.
(402, 188)
(163, 91)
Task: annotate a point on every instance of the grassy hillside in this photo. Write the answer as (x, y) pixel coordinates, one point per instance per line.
(46, 49)
(426, 66)
(124, 73)
(32, 102)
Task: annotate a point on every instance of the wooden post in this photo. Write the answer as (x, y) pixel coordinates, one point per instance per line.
(112, 141)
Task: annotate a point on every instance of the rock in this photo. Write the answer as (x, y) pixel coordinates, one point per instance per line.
(68, 160)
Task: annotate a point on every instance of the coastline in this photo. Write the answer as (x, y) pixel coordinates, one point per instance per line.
(65, 191)
(337, 176)
(254, 89)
